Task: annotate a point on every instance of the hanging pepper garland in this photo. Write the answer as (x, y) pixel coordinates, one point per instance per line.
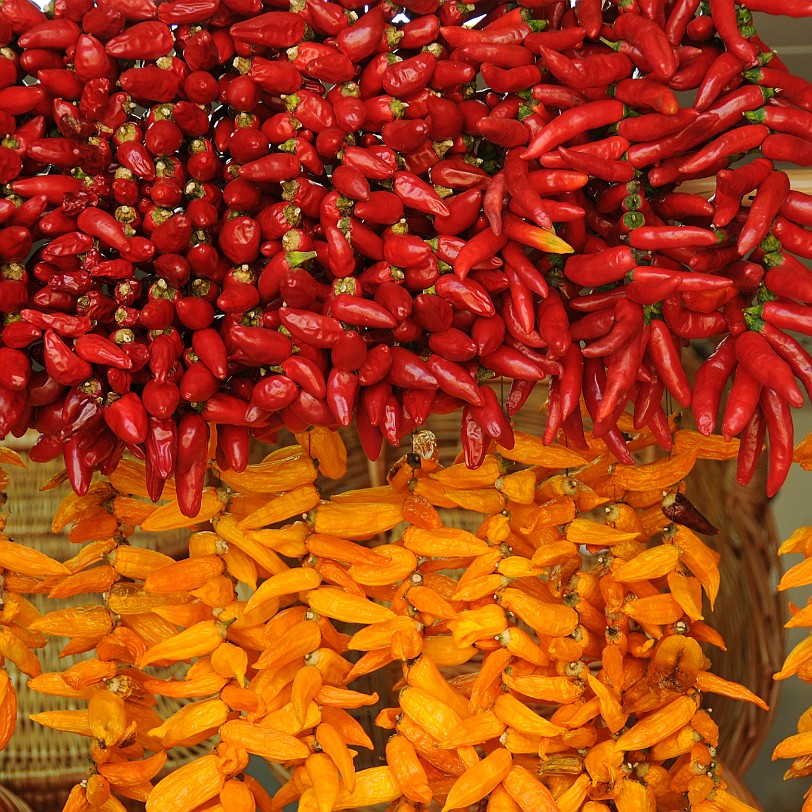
(344, 213)
(249, 215)
(581, 635)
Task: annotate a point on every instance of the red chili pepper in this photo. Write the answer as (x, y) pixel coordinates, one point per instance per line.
(648, 94)
(622, 368)
(349, 352)
(474, 442)
(455, 380)
(574, 122)
(557, 96)
(608, 170)
(664, 356)
(790, 350)
(491, 417)
(798, 208)
(788, 278)
(306, 374)
(656, 238)
(751, 444)
(61, 363)
(770, 196)
(780, 431)
(458, 174)
(596, 323)
(127, 418)
(465, 294)
(417, 194)
(271, 168)
(406, 250)
(510, 80)
(481, 247)
(464, 208)
(403, 78)
(145, 41)
(679, 18)
(513, 363)
(584, 73)
(691, 324)
(594, 384)
(192, 456)
(361, 312)
(724, 69)
(755, 353)
(594, 270)
(255, 346)
(654, 126)
(741, 403)
(726, 23)
(647, 399)
(626, 325)
(741, 140)
(651, 41)
(662, 147)
(96, 349)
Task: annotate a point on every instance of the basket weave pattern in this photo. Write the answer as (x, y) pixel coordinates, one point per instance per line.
(40, 764)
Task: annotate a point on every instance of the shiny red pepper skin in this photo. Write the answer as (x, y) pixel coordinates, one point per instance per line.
(474, 441)
(791, 351)
(788, 316)
(751, 444)
(709, 384)
(754, 352)
(594, 384)
(127, 419)
(627, 324)
(664, 355)
(780, 433)
(622, 369)
(192, 458)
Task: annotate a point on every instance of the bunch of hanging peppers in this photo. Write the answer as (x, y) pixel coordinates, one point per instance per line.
(547, 659)
(256, 215)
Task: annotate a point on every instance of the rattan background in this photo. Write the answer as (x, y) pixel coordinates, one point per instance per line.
(39, 764)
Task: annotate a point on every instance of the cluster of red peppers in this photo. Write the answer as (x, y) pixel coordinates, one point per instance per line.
(259, 214)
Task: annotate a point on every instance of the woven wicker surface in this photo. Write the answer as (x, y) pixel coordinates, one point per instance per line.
(40, 764)
(11, 803)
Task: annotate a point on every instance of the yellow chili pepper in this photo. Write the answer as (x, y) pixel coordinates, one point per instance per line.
(336, 604)
(188, 786)
(407, 770)
(192, 724)
(196, 641)
(262, 740)
(479, 780)
(547, 689)
(658, 724)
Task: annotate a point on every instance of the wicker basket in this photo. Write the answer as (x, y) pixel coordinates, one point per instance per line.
(38, 763)
(11, 803)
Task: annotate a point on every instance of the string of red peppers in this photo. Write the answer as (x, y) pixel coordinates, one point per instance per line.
(265, 214)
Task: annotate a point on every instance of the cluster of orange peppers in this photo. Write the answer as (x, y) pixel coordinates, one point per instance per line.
(550, 656)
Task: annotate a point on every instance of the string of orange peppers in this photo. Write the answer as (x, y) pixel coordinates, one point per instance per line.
(576, 606)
